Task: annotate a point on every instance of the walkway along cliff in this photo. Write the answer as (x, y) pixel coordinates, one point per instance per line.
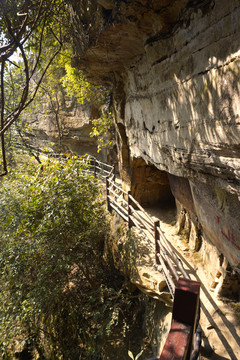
(174, 70)
(173, 267)
(184, 339)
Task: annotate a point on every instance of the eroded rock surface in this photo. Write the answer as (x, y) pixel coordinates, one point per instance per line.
(174, 67)
(62, 125)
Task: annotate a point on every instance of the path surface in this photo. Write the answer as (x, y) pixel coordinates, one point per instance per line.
(220, 325)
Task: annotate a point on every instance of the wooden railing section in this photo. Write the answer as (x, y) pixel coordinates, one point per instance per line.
(184, 339)
(99, 168)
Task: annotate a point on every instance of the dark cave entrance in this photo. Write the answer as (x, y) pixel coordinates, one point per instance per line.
(151, 188)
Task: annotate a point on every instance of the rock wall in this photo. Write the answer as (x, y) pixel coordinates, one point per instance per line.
(175, 68)
(63, 125)
(68, 127)
(182, 99)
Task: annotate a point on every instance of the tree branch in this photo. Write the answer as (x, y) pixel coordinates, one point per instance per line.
(2, 121)
(15, 114)
(35, 15)
(29, 147)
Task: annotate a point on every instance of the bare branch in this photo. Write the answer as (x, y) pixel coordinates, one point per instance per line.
(40, 48)
(12, 46)
(43, 74)
(11, 62)
(15, 114)
(24, 97)
(28, 146)
(35, 15)
(2, 121)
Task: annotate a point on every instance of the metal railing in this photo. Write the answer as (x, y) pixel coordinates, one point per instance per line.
(177, 279)
(99, 168)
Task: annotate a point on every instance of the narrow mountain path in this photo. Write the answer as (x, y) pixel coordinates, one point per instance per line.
(219, 322)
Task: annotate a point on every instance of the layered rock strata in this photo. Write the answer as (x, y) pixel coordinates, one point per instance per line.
(63, 125)
(175, 68)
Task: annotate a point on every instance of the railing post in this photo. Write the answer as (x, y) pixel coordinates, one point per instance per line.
(94, 167)
(107, 194)
(114, 173)
(130, 224)
(157, 237)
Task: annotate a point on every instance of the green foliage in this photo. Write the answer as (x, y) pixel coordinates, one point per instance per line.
(57, 294)
(77, 86)
(33, 32)
(101, 129)
(14, 77)
(51, 225)
(61, 80)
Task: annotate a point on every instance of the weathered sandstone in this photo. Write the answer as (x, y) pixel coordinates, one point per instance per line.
(63, 125)
(174, 67)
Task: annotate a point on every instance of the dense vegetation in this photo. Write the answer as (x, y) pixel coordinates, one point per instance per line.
(59, 297)
(35, 65)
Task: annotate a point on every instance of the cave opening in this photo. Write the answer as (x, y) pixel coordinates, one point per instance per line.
(151, 188)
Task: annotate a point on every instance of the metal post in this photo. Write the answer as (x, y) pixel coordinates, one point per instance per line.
(107, 194)
(157, 237)
(114, 173)
(94, 167)
(130, 224)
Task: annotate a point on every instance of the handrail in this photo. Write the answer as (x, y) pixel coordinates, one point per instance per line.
(141, 219)
(176, 259)
(121, 208)
(138, 216)
(118, 187)
(143, 210)
(168, 262)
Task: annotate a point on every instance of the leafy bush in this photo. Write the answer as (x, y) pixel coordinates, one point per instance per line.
(76, 85)
(54, 292)
(102, 128)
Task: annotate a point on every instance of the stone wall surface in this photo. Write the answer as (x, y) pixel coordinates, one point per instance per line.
(63, 125)
(218, 213)
(182, 100)
(180, 76)
(174, 67)
(73, 125)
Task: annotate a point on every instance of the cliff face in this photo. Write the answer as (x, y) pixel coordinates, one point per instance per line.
(66, 125)
(175, 69)
(62, 125)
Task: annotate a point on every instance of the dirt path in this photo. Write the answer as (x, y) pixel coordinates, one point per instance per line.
(220, 325)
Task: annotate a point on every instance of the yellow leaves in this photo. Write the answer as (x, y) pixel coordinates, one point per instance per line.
(100, 129)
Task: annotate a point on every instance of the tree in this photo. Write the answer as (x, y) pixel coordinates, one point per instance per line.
(55, 225)
(58, 294)
(28, 28)
(75, 84)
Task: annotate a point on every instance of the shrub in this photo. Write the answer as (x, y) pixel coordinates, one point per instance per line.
(52, 232)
